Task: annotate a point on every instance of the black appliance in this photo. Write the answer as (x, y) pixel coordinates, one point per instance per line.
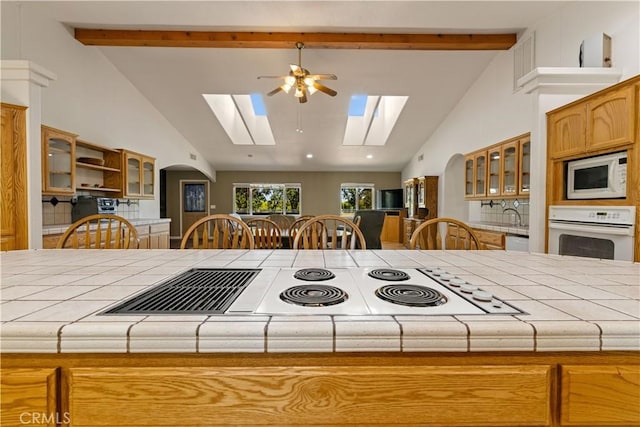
(390, 199)
(89, 205)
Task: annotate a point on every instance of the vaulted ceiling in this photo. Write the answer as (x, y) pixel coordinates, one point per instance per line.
(174, 77)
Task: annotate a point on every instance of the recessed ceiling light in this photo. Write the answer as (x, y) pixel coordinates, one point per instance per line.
(309, 156)
(369, 156)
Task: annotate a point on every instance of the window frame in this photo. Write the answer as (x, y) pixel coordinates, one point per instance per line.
(254, 185)
(358, 188)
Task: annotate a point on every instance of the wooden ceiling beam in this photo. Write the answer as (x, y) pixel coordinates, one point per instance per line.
(283, 40)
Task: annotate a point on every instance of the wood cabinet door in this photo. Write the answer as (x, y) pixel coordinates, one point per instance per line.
(611, 119)
(567, 132)
(13, 182)
(58, 162)
(600, 396)
(524, 166)
(311, 395)
(480, 174)
(29, 397)
(509, 169)
(132, 168)
(148, 176)
(468, 176)
(494, 182)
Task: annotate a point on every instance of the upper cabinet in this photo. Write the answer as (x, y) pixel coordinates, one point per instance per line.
(500, 170)
(98, 168)
(58, 161)
(605, 121)
(139, 172)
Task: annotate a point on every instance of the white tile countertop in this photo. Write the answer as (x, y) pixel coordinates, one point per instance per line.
(59, 229)
(51, 300)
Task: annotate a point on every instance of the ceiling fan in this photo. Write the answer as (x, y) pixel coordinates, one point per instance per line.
(302, 81)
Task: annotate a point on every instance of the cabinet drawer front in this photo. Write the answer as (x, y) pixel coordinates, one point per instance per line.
(492, 239)
(600, 395)
(159, 228)
(417, 395)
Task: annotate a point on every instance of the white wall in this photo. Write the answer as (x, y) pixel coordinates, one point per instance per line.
(90, 96)
(491, 111)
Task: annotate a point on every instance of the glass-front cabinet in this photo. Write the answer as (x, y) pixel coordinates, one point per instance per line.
(58, 161)
(468, 176)
(509, 169)
(524, 180)
(139, 175)
(410, 196)
(494, 171)
(480, 174)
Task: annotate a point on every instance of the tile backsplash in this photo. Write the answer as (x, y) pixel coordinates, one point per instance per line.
(60, 213)
(497, 214)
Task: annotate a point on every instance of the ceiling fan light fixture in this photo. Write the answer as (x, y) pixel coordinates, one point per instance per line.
(289, 81)
(299, 93)
(309, 81)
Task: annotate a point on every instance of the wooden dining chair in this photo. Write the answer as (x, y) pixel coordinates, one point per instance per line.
(219, 231)
(100, 231)
(335, 232)
(266, 233)
(295, 227)
(283, 221)
(454, 235)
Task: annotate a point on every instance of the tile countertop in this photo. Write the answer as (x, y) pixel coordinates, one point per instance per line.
(59, 229)
(504, 228)
(50, 301)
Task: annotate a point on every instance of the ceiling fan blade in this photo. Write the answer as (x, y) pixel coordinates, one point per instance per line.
(324, 89)
(323, 76)
(276, 90)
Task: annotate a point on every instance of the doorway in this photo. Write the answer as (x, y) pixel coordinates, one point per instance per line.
(194, 202)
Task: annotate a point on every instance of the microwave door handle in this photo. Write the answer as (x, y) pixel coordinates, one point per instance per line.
(597, 229)
(613, 184)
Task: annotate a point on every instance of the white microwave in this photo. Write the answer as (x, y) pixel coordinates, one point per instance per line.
(599, 177)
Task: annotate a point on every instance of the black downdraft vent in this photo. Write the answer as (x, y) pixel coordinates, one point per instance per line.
(197, 291)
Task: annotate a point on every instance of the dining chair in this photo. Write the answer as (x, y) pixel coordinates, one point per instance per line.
(100, 231)
(335, 232)
(370, 223)
(295, 227)
(283, 221)
(219, 231)
(454, 235)
(266, 233)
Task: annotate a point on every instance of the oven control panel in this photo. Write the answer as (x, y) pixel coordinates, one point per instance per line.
(486, 301)
(624, 215)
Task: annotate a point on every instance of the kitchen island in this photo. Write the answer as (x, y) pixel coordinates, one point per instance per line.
(572, 357)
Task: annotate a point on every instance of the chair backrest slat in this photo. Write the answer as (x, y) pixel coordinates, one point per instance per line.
(219, 231)
(100, 231)
(456, 235)
(329, 232)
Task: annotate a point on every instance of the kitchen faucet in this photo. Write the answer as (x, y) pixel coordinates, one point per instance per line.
(520, 224)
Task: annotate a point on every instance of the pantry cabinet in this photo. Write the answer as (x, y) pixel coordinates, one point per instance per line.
(58, 161)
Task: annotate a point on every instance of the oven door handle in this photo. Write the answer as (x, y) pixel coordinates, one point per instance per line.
(597, 229)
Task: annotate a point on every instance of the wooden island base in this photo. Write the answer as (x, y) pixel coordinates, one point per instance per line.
(427, 389)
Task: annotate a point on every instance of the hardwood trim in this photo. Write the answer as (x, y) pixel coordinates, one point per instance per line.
(285, 40)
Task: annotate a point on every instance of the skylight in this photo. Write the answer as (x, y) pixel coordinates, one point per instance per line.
(372, 118)
(243, 117)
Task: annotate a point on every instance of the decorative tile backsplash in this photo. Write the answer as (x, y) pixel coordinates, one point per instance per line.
(58, 212)
(502, 212)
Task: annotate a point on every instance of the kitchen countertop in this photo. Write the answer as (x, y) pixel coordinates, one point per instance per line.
(50, 301)
(61, 228)
(516, 230)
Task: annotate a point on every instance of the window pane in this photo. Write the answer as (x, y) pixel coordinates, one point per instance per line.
(348, 199)
(266, 200)
(365, 198)
(241, 200)
(293, 200)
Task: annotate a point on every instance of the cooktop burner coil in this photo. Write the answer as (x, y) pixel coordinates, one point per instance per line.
(314, 274)
(411, 295)
(389, 274)
(314, 295)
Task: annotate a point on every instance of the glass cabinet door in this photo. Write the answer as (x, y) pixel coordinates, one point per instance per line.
(525, 165)
(147, 177)
(421, 193)
(133, 175)
(494, 171)
(480, 174)
(58, 163)
(468, 176)
(509, 165)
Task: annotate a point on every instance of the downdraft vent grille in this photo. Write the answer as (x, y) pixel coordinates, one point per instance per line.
(197, 291)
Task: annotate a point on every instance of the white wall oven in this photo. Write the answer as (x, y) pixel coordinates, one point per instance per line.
(599, 177)
(605, 232)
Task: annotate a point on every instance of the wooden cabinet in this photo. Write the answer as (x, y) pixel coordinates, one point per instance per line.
(29, 397)
(600, 396)
(138, 176)
(427, 195)
(98, 169)
(409, 226)
(13, 179)
(500, 170)
(410, 195)
(390, 229)
(153, 236)
(58, 161)
(603, 122)
(524, 166)
(491, 239)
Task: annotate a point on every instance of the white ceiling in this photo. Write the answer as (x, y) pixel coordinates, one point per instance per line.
(174, 79)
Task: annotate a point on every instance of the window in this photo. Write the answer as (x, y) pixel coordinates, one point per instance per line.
(355, 197)
(266, 199)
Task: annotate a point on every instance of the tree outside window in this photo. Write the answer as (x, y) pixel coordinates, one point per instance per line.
(355, 197)
(266, 199)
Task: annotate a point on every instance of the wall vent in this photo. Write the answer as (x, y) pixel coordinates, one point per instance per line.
(523, 58)
(421, 157)
(193, 156)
